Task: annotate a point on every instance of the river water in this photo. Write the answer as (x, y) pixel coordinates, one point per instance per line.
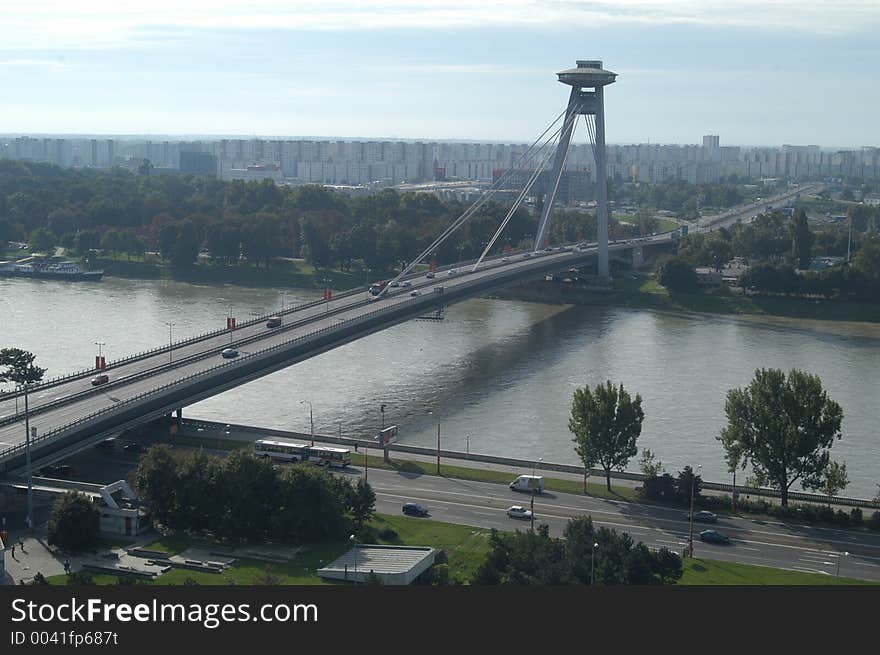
(498, 375)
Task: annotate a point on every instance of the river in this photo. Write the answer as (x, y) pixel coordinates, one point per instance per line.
(498, 375)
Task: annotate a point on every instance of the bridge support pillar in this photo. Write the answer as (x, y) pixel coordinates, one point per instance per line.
(638, 257)
(179, 413)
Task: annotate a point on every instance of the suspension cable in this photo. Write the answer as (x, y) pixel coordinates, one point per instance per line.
(523, 161)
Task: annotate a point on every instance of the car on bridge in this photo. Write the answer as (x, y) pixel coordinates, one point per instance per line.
(229, 353)
(430, 275)
(394, 284)
(714, 537)
(415, 292)
(414, 509)
(407, 283)
(518, 512)
(273, 322)
(451, 271)
(100, 379)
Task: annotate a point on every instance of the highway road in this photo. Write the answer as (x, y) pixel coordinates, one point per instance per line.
(764, 543)
(745, 213)
(75, 399)
(771, 543)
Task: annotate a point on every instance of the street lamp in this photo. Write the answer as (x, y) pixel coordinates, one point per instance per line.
(438, 442)
(592, 560)
(311, 419)
(467, 445)
(170, 347)
(840, 557)
(27, 445)
(283, 294)
(540, 459)
(326, 281)
(691, 535)
(353, 542)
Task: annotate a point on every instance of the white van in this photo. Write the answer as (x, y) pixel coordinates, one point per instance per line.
(533, 483)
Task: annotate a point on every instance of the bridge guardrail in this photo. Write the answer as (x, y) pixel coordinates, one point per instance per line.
(13, 450)
(160, 349)
(423, 300)
(545, 466)
(189, 359)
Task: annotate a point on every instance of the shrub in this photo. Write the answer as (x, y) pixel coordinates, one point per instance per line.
(80, 578)
(75, 523)
(855, 516)
(874, 522)
(388, 534)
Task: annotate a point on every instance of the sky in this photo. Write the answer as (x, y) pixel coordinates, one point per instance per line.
(767, 72)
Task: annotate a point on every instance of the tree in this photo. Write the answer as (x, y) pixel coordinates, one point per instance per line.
(784, 426)
(648, 465)
(186, 246)
(75, 523)
(42, 240)
(606, 423)
(363, 502)
(733, 456)
(155, 480)
(677, 275)
(867, 259)
(834, 479)
(687, 483)
(20, 367)
(801, 240)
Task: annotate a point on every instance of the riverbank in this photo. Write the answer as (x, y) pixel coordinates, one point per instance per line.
(644, 292)
(282, 274)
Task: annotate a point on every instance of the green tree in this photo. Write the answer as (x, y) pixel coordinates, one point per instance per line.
(677, 275)
(649, 464)
(42, 240)
(867, 259)
(802, 239)
(186, 246)
(75, 523)
(20, 368)
(688, 482)
(784, 426)
(155, 480)
(606, 423)
(363, 502)
(834, 479)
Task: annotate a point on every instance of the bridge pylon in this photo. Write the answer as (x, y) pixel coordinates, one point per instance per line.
(587, 98)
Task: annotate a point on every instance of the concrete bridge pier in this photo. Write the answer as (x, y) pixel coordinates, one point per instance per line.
(638, 257)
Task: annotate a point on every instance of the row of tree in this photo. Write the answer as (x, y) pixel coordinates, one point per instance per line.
(243, 497)
(783, 425)
(583, 556)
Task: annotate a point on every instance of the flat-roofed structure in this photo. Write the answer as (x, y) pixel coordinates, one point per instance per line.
(393, 565)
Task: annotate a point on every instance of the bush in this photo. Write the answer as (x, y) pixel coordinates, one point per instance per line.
(659, 487)
(80, 578)
(75, 523)
(855, 516)
(677, 275)
(388, 534)
(874, 523)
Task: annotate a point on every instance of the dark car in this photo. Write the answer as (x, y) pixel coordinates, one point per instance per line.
(229, 353)
(714, 537)
(273, 322)
(703, 517)
(108, 445)
(134, 448)
(414, 509)
(100, 379)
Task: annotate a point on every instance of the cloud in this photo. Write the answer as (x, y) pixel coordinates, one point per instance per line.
(40, 24)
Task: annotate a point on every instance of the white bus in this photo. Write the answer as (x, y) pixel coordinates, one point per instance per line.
(284, 451)
(327, 456)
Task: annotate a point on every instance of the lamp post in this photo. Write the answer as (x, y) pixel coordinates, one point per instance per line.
(467, 445)
(27, 432)
(540, 459)
(592, 561)
(283, 294)
(326, 281)
(366, 461)
(353, 542)
(311, 419)
(691, 534)
(840, 557)
(100, 345)
(438, 442)
(170, 347)
(382, 410)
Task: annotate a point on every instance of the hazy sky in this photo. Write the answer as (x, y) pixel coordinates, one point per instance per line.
(754, 72)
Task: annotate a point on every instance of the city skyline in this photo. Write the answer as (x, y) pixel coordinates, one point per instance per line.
(762, 74)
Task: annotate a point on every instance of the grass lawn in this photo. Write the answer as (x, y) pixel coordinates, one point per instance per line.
(715, 572)
(466, 548)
